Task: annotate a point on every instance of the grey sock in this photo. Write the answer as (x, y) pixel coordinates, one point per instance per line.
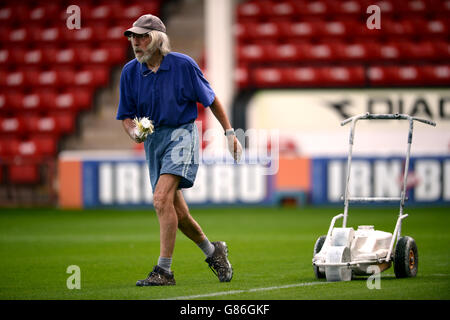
(165, 263)
(207, 247)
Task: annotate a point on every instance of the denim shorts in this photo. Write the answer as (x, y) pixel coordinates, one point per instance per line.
(173, 150)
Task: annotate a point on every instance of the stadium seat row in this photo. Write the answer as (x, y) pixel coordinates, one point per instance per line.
(17, 12)
(247, 31)
(267, 9)
(62, 77)
(358, 76)
(23, 126)
(339, 51)
(22, 173)
(35, 147)
(60, 34)
(49, 72)
(70, 100)
(84, 55)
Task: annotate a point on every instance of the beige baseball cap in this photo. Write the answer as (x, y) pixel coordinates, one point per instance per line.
(144, 24)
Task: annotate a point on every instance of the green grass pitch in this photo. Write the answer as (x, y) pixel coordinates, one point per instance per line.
(270, 250)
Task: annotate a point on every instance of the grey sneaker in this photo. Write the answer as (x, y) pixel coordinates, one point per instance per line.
(219, 263)
(158, 277)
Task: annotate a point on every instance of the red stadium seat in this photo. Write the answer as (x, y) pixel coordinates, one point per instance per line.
(12, 126)
(312, 8)
(5, 56)
(250, 10)
(114, 35)
(46, 145)
(241, 76)
(26, 173)
(4, 103)
(303, 77)
(19, 35)
(4, 147)
(387, 7)
(268, 30)
(68, 56)
(282, 10)
(354, 52)
(47, 78)
(348, 9)
(441, 50)
(436, 75)
(43, 11)
(431, 28)
(343, 76)
(55, 124)
(6, 15)
(27, 102)
(33, 57)
(403, 28)
(420, 51)
(268, 77)
(286, 53)
(107, 56)
(390, 51)
(73, 100)
(36, 147)
(104, 12)
(85, 34)
(14, 99)
(303, 30)
(50, 35)
(92, 76)
(131, 12)
(65, 101)
(15, 56)
(336, 29)
(253, 53)
(36, 125)
(15, 79)
(320, 52)
(65, 121)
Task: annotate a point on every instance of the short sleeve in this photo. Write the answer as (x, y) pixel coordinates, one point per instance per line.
(202, 89)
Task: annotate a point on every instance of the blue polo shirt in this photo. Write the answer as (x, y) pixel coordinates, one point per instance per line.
(167, 97)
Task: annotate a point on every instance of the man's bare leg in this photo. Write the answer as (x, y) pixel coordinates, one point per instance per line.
(186, 223)
(190, 227)
(163, 201)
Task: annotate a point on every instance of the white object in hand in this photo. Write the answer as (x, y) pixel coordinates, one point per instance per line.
(144, 127)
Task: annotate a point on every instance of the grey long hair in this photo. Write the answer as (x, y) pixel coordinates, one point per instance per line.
(160, 41)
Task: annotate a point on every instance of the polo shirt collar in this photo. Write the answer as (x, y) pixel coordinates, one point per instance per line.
(165, 65)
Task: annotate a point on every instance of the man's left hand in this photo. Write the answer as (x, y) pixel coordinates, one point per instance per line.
(235, 148)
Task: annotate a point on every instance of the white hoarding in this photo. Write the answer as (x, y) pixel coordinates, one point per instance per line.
(311, 118)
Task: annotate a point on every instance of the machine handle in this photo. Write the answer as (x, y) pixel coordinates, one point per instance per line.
(386, 117)
(431, 123)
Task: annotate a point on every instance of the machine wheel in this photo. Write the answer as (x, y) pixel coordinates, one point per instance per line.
(317, 247)
(406, 259)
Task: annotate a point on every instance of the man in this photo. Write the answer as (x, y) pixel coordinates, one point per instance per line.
(165, 87)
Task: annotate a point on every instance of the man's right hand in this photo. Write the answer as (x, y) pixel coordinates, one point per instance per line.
(131, 130)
